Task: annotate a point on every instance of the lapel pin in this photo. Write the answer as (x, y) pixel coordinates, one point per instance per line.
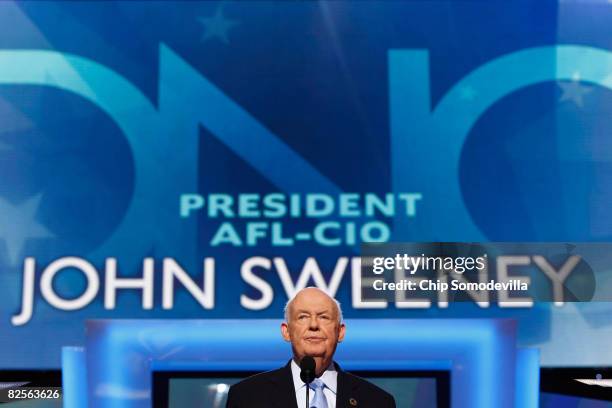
(353, 402)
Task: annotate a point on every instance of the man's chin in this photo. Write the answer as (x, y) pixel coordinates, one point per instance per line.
(314, 352)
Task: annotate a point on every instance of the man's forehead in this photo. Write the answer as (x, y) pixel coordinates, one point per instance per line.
(313, 296)
(313, 299)
(314, 309)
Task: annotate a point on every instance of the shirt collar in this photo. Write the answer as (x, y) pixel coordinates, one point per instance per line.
(329, 377)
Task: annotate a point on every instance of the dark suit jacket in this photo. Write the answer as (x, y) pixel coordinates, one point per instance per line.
(274, 389)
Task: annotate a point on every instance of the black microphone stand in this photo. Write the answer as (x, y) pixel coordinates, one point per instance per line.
(307, 374)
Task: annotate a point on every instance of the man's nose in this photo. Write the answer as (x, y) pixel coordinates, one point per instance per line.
(314, 323)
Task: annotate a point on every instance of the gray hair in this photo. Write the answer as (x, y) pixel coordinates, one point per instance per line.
(338, 307)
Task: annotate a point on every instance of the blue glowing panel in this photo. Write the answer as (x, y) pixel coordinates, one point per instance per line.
(480, 353)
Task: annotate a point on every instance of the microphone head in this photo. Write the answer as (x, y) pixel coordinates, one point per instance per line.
(308, 368)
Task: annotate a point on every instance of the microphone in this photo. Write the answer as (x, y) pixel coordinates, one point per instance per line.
(307, 374)
(307, 366)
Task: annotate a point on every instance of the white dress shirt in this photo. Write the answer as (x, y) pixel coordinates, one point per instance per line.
(329, 377)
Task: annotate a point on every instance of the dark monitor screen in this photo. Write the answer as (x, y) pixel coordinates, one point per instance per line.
(31, 388)
(576, 388)
(411, 389)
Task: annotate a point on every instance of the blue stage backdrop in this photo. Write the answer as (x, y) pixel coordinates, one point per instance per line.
(224, 154)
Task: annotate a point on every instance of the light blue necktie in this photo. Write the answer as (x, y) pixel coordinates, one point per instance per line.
(319, 400)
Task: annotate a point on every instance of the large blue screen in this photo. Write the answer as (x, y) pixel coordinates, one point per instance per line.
(222, 155)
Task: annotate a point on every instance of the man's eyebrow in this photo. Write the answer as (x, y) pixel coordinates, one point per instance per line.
(299, 311)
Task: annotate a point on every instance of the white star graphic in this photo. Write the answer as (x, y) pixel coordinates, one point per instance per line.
(217, 26)
(574, 91)
(17, 225)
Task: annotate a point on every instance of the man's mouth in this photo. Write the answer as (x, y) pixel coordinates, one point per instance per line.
(315, 339)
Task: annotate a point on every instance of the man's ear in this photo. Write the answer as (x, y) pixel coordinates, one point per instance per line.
(285, 331)
(341, 332)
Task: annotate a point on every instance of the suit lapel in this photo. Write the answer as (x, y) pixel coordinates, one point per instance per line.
(346, 388)
(284, 390)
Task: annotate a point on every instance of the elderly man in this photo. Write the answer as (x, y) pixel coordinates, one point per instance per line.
(313, 324)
